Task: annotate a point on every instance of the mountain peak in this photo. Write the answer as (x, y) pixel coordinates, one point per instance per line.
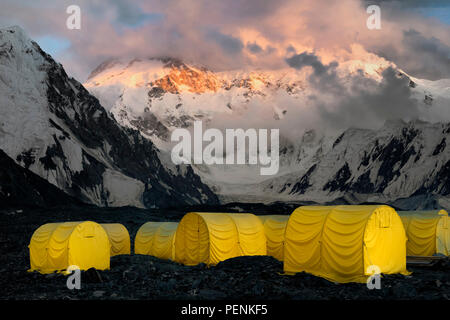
(53, 127)
(102, 67)
(17, 30)
(168, 74)
(166, 62)
(14, 37)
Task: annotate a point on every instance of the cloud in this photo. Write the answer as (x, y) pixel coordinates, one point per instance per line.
(357, 101)
(225, 35)
(410, 3)
(132, 15)
(372, 104)
(323, 78)
(434, 55)
(254, 47)
(307, 59)
(228, 43)
(333, 103)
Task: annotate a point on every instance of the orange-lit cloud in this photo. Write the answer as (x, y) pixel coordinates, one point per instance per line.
(237, 33)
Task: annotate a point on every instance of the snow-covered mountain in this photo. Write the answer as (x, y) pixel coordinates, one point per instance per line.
(51, 125)
(397, 161)
(156, 96)
(400, 159)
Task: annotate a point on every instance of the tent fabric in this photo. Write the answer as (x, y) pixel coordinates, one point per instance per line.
(144, 237)
(251, 237)
(205, 237)
(56, 246)
(339, 243)
(119, 238)
(266, 217)
(274, 228)
(156, 239)
(428, 232)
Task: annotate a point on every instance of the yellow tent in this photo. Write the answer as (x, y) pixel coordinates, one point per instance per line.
(56, 246)
(340, 243)
(265, 217)
(274, 228)
(428, 232)
(156, 239)
(118, 237)
(213, 237)
(251, 237)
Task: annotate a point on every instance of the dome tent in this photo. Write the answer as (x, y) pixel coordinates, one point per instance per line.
(56, 246)
(156, 239)
(118, 237)
(428, 232)
(274, 228)
(213, 237)
(339, 243)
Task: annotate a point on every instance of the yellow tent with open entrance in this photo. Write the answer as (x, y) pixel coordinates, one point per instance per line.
(428, 232)
(156, 239)
(274, 228)
(56, 246)
(119, 238)
(340, 243)
(213, 237)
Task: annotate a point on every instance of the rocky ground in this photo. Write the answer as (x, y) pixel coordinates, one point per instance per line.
(145, 277)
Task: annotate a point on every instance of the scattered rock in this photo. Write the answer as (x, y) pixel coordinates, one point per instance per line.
(404, 290)
(211, 294)
(130, 275)
(98, 293)
(91, 276)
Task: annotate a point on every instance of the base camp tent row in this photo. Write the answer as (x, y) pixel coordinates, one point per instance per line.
(156, 239)
(274, 228)
(56, 246)
(340, 243)
(119, 238)
(428, 232)
(213, 237)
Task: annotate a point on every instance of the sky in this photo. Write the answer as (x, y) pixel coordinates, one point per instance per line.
(233, 34)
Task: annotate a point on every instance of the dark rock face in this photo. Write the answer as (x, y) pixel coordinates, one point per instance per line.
(441, 185)
(440, 147)
(339, 180)
(363, 184)
(52, 151)
(396, 151)
(20, 187)
(150, 125)
(26, 158)
(303, 184)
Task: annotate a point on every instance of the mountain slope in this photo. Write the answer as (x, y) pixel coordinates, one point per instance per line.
(20, 187)
(398, 160)
(51, 125)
